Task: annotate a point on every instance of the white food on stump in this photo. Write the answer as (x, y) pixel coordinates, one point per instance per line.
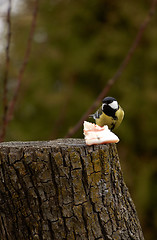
(95, 134)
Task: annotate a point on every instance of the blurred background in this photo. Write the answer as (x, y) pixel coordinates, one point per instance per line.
(77, 47)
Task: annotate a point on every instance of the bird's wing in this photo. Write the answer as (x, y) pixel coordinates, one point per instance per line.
(97, 114)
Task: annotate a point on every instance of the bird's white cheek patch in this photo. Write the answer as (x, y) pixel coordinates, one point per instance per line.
(104, 104)
(114, 105)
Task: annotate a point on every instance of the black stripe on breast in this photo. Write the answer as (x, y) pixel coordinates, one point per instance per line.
(112, 126)
(109, 111)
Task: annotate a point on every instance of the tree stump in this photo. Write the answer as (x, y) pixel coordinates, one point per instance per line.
(63, 189)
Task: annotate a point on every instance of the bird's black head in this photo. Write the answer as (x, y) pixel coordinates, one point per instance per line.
(110, 106)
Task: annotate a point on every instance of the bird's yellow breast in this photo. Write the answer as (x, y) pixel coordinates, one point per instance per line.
(120, 115)
(104, 120)
(110, 121)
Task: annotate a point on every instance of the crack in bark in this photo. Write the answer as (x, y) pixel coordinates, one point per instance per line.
(31, 173)
(25, 190)
(51, 230)
(103, 231)
(54, 166)
(84, 216)
(8, 198)
(84, 177)
(5, 228)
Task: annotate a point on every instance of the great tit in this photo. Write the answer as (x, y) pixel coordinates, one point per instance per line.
(110, 113)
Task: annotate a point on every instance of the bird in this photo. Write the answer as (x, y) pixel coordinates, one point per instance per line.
(110, 113)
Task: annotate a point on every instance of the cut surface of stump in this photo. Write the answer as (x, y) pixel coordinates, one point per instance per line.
(63, 189)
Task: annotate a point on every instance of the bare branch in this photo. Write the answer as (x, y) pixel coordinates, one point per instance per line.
(11, 107)
(23, 66)
(6, 71)
(118, 73)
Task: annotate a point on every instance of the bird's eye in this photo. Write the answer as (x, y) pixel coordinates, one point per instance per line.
(114, 105)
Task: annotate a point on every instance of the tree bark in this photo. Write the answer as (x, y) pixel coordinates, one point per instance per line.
(64, 189)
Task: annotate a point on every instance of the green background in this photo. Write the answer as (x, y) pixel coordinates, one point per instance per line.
(77, 47)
